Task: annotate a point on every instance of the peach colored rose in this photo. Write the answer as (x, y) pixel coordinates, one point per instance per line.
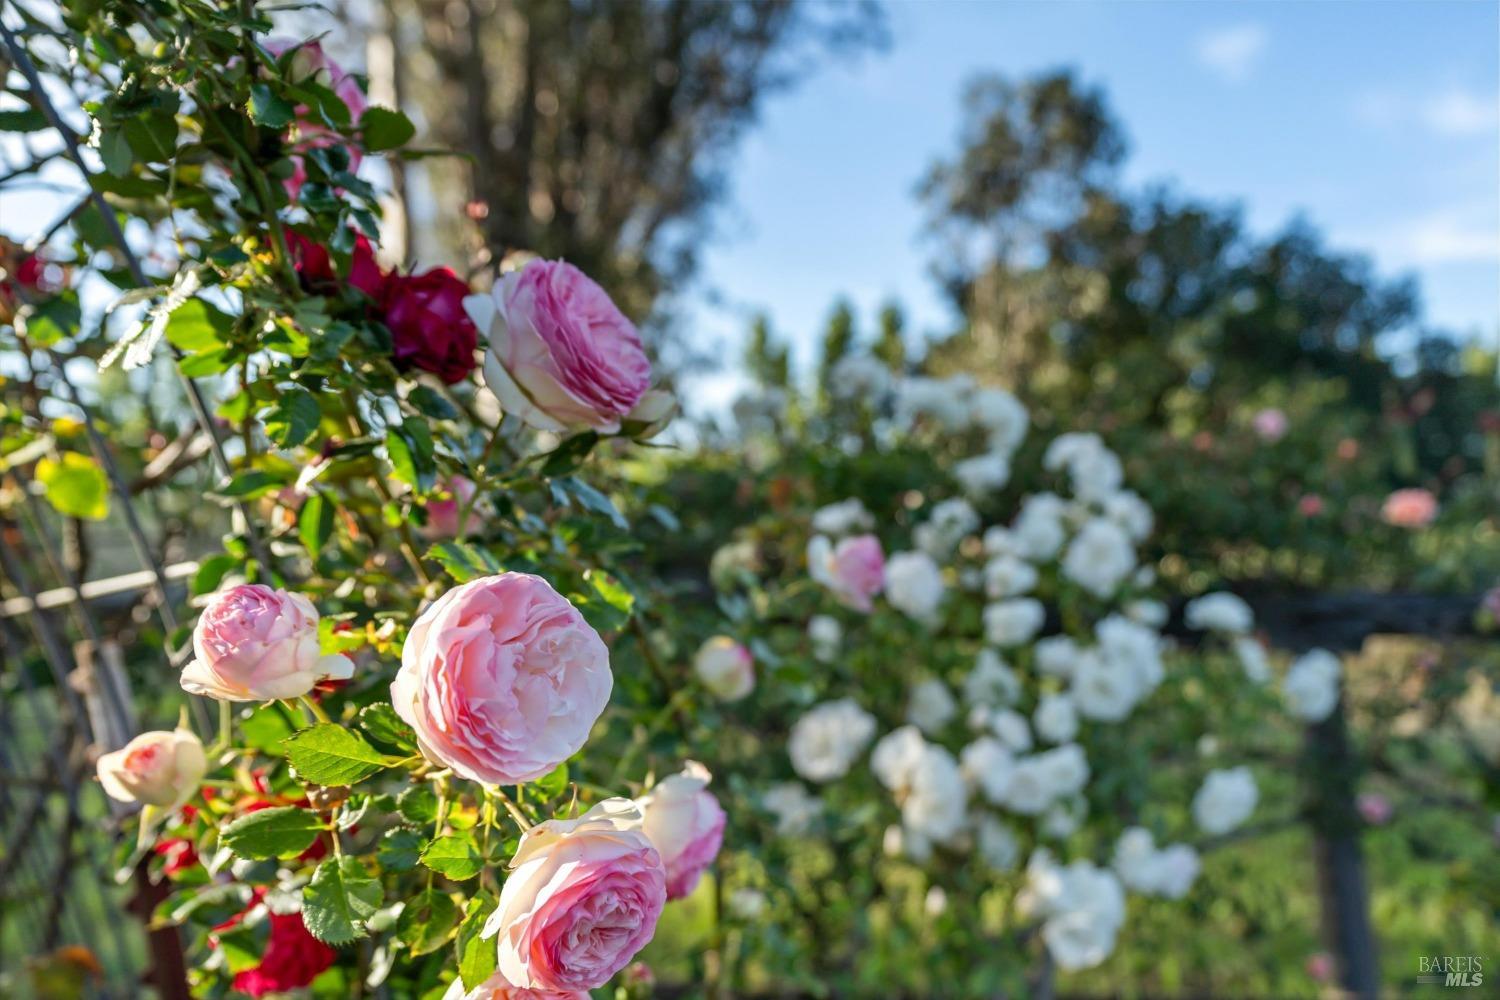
(497, 987)
(502, 679)
(254, 643)
(583, 896)
(442, 514)
(854, 569)
(561, 356)
(725, 667)
(162, 768)
(686, 823)
(1412, 508)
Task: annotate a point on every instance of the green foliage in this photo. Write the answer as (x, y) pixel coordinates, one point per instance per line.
(332, 755)
(280, 832)
(74, 485)
(338, 901)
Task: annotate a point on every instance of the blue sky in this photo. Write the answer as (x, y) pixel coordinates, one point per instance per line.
(1380, 123)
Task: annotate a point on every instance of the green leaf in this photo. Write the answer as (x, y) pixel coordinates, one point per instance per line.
(476, 956)
(250, 484)
(611, 591)
(464, 562)
(211, 573)
(329, 754)
(75, 486)
(382, 128)
(268, 109)
(294, 419)
(315, 523)
(553, 783)
(399, 850)
(52, 320)
(196, 325)
(589, 499)
(152, 135)
(431, 403)
(427, 920)
(339, 899)
(455, 856)
(383, 725)
(22, 120)
(114, 150)
(282, 832)
(265, 728)
(417, 805)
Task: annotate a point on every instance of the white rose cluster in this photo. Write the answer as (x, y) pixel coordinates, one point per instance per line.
(1049, 610)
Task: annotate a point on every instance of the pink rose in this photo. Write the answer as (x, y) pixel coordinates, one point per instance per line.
(1320, 966)
(156, 769)
(725, 667)
(854, 570)
(254, 643)
(583, 896)
(442, 514)
(686, 823)
(502, 679)
(1310, 505)
(425, 314)
(1374, 808)
(561, 355)
(1412, 508)
(311, 61)
(1270, 424)
(497, 987)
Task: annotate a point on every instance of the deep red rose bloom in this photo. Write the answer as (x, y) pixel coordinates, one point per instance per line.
(179, 852)
(31, 272)
(293, 958)
(429, 329)
(311, 261)
(364, 271)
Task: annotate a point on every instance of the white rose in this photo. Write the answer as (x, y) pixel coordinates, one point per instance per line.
(1030, 789)
(1066, 767)
(859, 377)
(1225, 800)
(1099, 557)
(936, 800)
(746, 903)
(1007, 576)
(1311, 687)
(1082, 907)
(1056, 656)
(1013, 730)
(1151, 613)
(826, 635)
(983, 474)
(795, 810)
(1063, 818)
(1056, 718)
(1038, 530)
(1134, 647)
(725, 667)
(998, 846)
(1103, 689)
(895, 757)
(1013, 622)
(1129, 511)
(1253, 658)
(1221, 612)
(825, 742)
(931, 706)
(987, 765)
(1002, 414)
(843, 518)
(914, 585)
(991, 682)
(940, 534)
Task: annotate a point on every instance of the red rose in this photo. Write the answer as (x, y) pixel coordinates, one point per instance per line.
(364, 271)
(292, 959)
(311, 261)
(179, 852)
(429, 329)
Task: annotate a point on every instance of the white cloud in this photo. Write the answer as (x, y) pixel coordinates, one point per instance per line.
(1459, 112)
(1446, 236)
(1232, 52)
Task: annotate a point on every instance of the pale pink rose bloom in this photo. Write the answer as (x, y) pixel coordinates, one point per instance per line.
(162, 768)
(497, 987)
(502, 679)
(312, 61)
(1270, 424)
(1310, 505)
(725, 667)
(1320, 966)
(442, 514)
(1374, 808)
(254, 643)
(583, 896)
(854, 569)
(561, 356)
(686, 823)
(1410, 508)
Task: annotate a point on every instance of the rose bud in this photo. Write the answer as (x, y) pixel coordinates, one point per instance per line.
(365, 272)
(429, 330)
(583, 896)
(311, 61)
(254, 643)
(443, 513)
(161, 768)
(502, 679)
(561, 356)
(725, 667)
(686, 823)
